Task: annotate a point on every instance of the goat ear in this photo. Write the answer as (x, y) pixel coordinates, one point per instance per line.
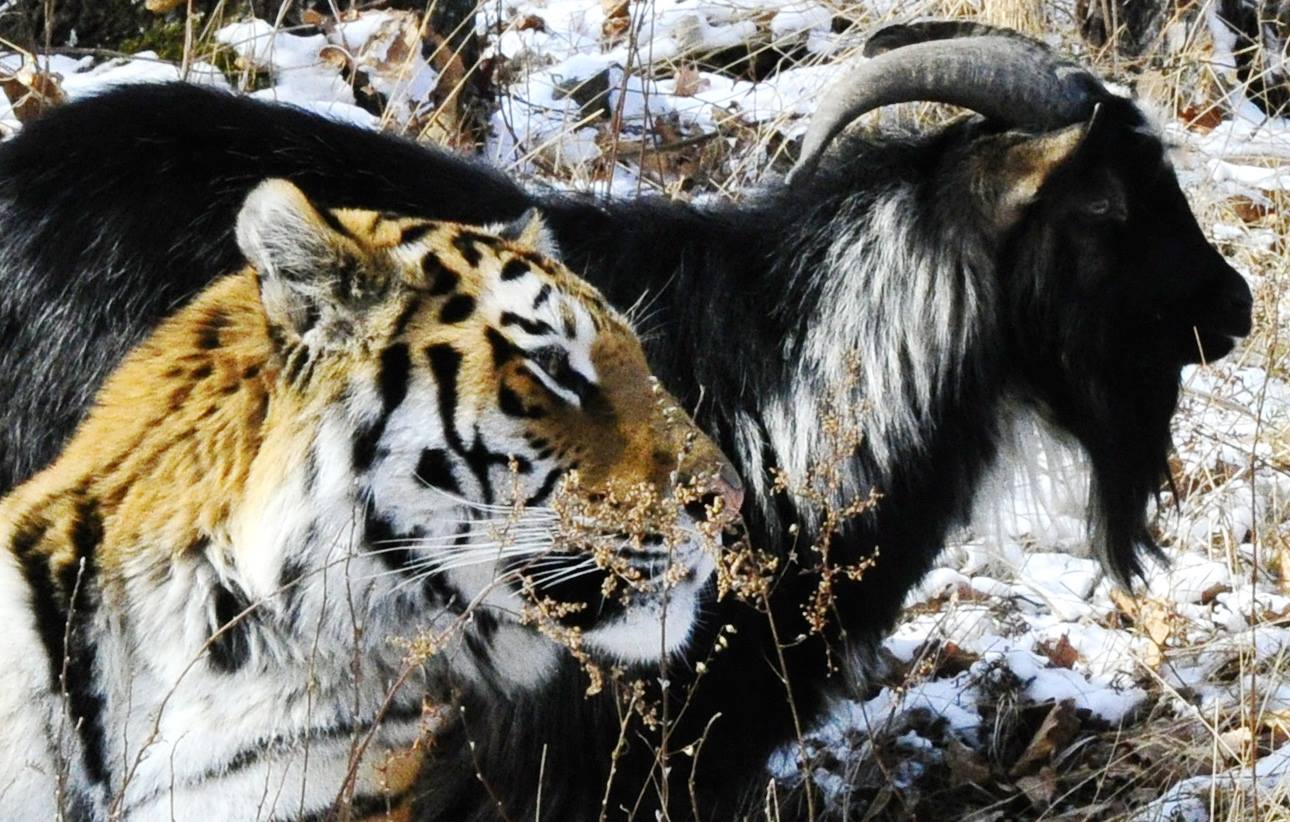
(531, 230)
(1022, 168)
(312, 274)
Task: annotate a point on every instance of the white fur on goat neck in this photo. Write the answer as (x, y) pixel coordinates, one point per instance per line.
(907, 313)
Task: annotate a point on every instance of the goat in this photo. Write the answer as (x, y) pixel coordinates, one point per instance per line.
(1040, 256)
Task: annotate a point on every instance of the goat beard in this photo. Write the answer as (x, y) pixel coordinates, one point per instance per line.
(1128, 452)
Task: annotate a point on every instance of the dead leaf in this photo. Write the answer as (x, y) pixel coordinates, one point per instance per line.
(531, 22)
(967, 767)
(334, 56)
(617, 20)
(953, 659)
(1203, 120)
(689, 81)
(1039, 788)
(31, 91)
(1060, 653)
(879, 803)
(447, 125)
(1211, 593)
(1125, 603)
(1236, 744)
(162, 6)
(1250, 211)
(1057, 729)
(1278, 728)
(1154, 620)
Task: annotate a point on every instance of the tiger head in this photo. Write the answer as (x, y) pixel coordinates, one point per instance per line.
(464, 382)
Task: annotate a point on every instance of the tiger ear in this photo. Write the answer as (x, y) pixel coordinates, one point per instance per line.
(312, 275)
(530, 230)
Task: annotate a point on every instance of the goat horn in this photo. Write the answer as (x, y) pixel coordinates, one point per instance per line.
(1007, 77)
(904, 34)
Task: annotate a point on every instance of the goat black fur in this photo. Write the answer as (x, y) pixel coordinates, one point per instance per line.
(1081, 306)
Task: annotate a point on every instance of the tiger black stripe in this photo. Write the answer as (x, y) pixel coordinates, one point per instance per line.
(51, 607)
(467, 245)
(438, 588)
(544, 294)
(405, 317)
(396, 366)
(230, 646)
(299, 357)
(379, 535)
(516, 268)
(485, 623)
(79, 584)
(440, 278)
(480, 458)
(291, 575)
(457, 309)
(435, 470)
(413, 233)
(392, 382)
(44, 603)
(445, 363)
(312, 315)
(208, 333)
(535, 327)
(503, 349)
(544, 491)
(351, 280)
(511, 405)
(481, 651)
(333, 222)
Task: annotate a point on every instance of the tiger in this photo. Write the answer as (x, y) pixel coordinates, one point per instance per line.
(351, 449)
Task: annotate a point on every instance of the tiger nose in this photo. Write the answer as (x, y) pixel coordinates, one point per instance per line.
(730, 487)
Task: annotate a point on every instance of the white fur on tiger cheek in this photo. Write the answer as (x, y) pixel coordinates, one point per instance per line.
(664, 625)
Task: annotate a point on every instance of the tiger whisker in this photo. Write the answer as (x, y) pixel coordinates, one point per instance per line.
(469, 540)
(484, 506)
(567, 576)
(449, 563)
(435, 565)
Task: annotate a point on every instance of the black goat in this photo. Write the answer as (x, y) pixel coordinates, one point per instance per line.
(1041, 257)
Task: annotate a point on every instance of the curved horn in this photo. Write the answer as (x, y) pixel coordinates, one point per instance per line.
(1007, 77)
(905, 34)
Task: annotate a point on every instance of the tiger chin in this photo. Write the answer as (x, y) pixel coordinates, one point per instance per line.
(325, 488)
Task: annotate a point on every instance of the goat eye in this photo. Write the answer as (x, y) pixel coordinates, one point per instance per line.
(1099, 207)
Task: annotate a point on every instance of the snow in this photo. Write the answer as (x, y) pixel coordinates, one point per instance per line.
(1190, 799)
(300, 76)
(80, 77)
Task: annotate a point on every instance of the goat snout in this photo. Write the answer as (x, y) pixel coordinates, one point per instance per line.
(1236, 306)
